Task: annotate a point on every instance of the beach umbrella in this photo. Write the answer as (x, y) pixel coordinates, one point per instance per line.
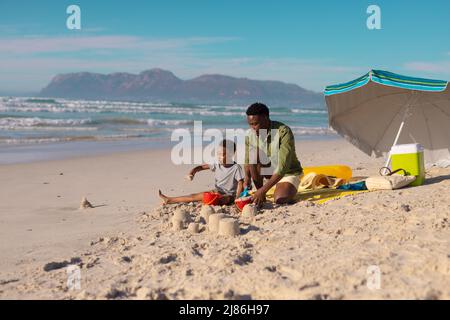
(382, 109)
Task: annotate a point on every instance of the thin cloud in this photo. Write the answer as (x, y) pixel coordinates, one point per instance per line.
(37, 44)
(438, 68)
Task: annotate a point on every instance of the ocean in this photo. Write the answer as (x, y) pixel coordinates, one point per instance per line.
(40, 122)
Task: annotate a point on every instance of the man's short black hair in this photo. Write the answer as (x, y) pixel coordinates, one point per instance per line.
(257, 109)
(228, 144)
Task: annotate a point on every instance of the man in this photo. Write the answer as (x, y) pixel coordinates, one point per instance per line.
(286, 169)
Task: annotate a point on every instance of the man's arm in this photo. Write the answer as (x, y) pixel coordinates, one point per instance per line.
(260, 195)
(286, 147)
(247, 173)
(240, 188)
(248, 177)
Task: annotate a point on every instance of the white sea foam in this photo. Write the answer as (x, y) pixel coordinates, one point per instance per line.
(43, 128)
(306, 131)
(124, 108)
(55, 118)
(36, 123)
(157, 122)
(81, 106)
(38, 140)
(309, 111)
(11, 122)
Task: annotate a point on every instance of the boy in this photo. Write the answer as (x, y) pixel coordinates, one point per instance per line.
(229, 177)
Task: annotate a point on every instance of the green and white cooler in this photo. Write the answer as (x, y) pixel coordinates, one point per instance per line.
(409, 157)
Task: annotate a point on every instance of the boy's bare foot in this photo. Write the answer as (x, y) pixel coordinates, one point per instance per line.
(165, 199)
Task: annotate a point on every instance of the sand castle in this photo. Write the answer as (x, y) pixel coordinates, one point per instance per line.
(180, 219)
(217, 222)
(219, 209)
(194, 228)
(223, 225)
(85, 204)
(177, 225)
(181, 215)
(229, 227)
(213, 223)
(205, 212)
(249, 211)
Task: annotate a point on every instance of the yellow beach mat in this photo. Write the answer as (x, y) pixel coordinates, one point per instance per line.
(324, 195)
(318, 188)
(319, 196)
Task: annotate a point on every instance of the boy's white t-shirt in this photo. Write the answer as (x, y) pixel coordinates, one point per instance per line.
(226, 179)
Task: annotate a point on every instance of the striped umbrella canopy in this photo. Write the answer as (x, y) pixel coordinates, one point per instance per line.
(382, 109)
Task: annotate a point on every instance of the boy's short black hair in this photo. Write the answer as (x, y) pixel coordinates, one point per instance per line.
(257, 109)
(228, 144)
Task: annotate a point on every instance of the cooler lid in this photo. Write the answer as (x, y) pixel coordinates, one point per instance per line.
(407, 148)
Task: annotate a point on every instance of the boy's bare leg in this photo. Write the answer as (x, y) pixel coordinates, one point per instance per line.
(226, 200)
(183, 199)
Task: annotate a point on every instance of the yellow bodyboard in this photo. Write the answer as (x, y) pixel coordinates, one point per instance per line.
(338, 171)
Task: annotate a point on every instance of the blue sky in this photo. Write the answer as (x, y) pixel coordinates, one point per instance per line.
(310, 43)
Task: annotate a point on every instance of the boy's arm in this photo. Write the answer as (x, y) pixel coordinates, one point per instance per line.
(198, 169)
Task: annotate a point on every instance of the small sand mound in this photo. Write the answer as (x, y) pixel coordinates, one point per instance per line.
(85, 204)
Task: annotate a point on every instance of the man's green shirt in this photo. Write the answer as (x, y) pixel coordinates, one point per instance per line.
(287, 162)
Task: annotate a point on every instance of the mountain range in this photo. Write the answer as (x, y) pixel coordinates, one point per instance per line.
(158, 85)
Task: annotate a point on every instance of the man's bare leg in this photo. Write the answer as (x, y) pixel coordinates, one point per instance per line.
(284, 193)
(183, 199)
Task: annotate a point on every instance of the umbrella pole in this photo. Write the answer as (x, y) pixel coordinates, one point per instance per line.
(388, 160)
(405, 115)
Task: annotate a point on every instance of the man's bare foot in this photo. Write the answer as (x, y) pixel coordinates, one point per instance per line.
(165, 199)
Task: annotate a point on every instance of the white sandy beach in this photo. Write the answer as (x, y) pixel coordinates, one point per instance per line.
(127, 250)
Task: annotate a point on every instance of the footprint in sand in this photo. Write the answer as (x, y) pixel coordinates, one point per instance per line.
(168, 258)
